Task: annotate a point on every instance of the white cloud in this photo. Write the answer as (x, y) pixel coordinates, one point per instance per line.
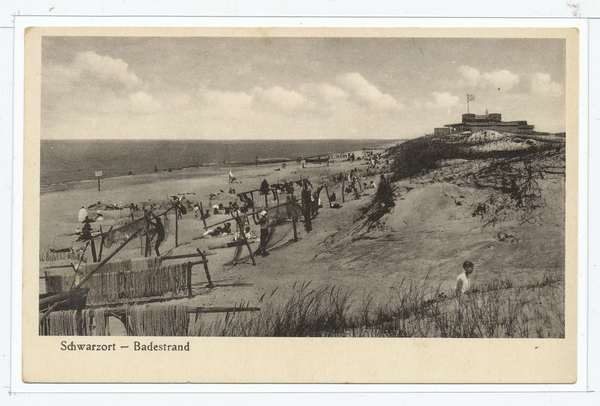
(323, 92)
(500, 79)
(542, 84)
(281, 98)
(443, 100)
(223, 100)
(104, 68)
(142, 102)
(366, 92)
(470, 75)
(141, 98)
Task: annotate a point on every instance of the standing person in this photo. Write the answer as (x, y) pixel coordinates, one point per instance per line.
(160, 233)
(306, 205)
(264, 187)
(86, 231)
(263, 222)
(463, 283)
(82, 214)
(196, 210)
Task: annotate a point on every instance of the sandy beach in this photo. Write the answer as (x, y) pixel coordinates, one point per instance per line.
(426, 237)
(243, 283)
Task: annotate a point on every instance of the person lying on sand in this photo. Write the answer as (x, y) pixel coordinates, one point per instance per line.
(463, 283)
(213, 233)
(250, 235)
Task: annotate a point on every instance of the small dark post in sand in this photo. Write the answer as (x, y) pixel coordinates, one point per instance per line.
(307, 213)
(98, 175)
(327, 191)
(295, 227)
(202, 214)
(189, 280)
(93, 245)
(101, 244)
(102, 238)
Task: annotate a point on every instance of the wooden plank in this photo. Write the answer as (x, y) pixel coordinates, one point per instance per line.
(70, 295)
(58, 266)
(183, 256)
(230, 218)
(121, 312)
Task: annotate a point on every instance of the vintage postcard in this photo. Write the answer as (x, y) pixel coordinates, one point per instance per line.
(300, 205)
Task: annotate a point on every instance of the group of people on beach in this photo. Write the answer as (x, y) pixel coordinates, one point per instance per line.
(355, 185)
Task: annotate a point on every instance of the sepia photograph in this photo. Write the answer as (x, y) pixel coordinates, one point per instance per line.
(274, 184)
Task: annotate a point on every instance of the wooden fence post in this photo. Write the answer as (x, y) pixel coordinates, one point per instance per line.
(328, 200)
(189, 279)
(202, 215)
(295, 228)
(210, 284)
(176, 227)
(94, 258)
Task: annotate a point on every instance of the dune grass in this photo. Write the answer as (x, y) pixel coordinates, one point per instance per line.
(496, 309)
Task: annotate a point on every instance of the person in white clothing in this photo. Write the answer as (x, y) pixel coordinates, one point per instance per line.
(82, 214)
(463, 284)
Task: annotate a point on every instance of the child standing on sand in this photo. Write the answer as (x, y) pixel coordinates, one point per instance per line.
(463, 283)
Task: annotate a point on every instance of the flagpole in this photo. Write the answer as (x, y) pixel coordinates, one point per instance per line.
(468, 112)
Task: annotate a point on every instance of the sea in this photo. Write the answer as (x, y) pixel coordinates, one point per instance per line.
(67, 161)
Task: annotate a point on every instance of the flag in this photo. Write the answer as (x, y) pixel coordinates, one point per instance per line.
(470, 97)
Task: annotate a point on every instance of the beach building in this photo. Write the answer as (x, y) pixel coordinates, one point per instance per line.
(489, 122)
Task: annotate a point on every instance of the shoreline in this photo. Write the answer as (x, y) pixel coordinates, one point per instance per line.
(216, 166)
(60, 203)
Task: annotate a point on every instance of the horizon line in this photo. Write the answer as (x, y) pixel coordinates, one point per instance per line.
(216, 139)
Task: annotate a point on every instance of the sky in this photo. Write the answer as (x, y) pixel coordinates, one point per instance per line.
(293, 88)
